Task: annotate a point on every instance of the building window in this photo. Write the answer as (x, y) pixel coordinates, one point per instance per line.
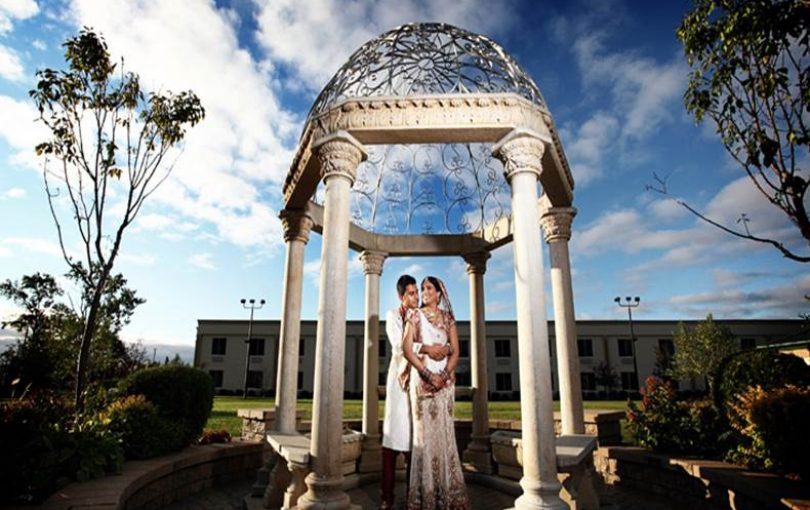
(383, 348)
(625, 348)
(503, 348)
(216, 376)
(302, 346)
(255, 378)
(747, 343)
(585, 347)
(300, 385)
(503, 381)
(629, 381)
(464, 348)
(666, 347)
(463, 379)
(218, 346)
(588, 380)
(257, 346)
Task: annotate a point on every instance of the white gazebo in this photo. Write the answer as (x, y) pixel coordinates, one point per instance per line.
(430, 140)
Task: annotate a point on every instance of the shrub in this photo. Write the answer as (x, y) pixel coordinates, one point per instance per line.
(765, 368)
(144, 433)
(43, 450)
(214, 436)
(774, 426)
(666, 424)
(35, 442)
(183, 395)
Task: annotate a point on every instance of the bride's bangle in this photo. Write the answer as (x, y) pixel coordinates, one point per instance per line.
(445, 376)
(425, 373)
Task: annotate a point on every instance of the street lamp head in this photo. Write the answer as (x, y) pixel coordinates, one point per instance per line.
(618, 299)
(628, 298)
(262, 301)
(242, 301)
(251, 300)
(638, 299)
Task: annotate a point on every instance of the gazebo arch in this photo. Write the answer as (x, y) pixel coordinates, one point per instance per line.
(423, 90)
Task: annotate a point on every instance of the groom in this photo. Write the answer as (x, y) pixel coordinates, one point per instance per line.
(397, 421)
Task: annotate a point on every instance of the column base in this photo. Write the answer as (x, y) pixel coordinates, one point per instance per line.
(478, 456)
(325, 494)
(371, 455)
(539, 495)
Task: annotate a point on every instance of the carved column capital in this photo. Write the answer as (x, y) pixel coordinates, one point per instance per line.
(339, 154)
(520, 151)
(373, 261)
(477, 262)
(297, 224)
(556, 223)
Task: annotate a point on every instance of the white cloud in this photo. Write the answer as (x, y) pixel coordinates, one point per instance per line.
(11, 10)
(317, 37)
(10, 66)
(34, 245)
(774, 301)
(19, 129)
(246, 140)
(202, 261)
(39, 44)
(586, 148)
(12, 193)
(143, 259)
(5, 252)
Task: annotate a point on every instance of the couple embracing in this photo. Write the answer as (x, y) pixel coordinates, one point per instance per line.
(420, 394)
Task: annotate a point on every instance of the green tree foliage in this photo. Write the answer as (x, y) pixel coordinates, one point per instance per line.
(750, 76)
(699, 352)
(107, 139)
(605, 376)
(43, 358)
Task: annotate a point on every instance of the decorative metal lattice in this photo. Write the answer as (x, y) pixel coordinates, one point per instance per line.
(427, 58)
(428, 189)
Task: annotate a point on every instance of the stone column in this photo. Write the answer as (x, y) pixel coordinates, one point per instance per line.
(477, 455)
(556, 222)
(371, 458)
(338, 154)
(521, 152)
(297, 226)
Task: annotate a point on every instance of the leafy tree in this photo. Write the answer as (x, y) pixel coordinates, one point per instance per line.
(28, 363)
(108, 140)
(51, 332)
(749, 61)
(699, 352)
(605, 376)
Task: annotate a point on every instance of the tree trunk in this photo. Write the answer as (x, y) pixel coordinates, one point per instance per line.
(83, 362)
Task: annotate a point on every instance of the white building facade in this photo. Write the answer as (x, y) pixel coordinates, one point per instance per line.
(221, 351)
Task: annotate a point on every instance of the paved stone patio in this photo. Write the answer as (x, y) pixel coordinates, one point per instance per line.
(483, 498)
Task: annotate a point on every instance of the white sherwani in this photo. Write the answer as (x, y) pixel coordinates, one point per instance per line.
(397, 421)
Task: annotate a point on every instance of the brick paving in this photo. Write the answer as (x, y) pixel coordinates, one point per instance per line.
(230, 498)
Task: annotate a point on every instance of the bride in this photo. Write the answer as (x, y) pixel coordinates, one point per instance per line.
(436, 478)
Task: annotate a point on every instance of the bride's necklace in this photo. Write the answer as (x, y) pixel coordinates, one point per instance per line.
(430, 314)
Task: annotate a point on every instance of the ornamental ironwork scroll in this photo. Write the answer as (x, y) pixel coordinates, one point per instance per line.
(433, 189)
(427, 58)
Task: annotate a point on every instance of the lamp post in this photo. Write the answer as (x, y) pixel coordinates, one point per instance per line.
(249, 304)
(630, 303)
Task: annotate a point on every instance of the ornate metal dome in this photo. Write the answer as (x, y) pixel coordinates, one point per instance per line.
(423, 59)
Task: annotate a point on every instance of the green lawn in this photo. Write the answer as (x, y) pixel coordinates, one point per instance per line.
(223, 416)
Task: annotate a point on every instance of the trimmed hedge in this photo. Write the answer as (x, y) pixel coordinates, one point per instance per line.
(183, 395)
(144, 433)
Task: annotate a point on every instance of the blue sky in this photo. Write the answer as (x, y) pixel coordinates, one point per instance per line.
(612, 73)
